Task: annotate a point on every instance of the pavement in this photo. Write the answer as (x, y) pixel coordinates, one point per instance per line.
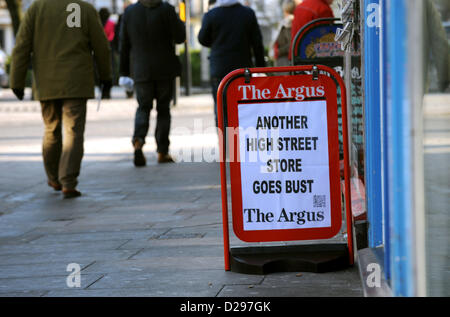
(153, 231)
(437, 193)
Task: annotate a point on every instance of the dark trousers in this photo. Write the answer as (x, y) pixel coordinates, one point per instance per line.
(215, 82)
(162, 91)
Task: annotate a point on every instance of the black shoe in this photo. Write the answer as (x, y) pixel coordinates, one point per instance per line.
(70, 193)
(139, 158)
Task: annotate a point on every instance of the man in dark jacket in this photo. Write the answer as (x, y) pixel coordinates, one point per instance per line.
(150, 29)
(59, 39)
(232, 32)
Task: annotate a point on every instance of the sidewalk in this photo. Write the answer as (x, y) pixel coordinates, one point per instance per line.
(153, 231)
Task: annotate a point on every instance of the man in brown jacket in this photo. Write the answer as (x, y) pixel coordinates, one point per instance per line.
(61, 39)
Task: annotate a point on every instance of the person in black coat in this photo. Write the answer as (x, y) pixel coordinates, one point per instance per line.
(149, 31)
(232, 32)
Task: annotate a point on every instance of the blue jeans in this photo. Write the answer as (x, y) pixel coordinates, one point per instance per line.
(162, 91)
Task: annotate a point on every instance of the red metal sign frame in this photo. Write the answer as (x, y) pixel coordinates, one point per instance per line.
(227, 96)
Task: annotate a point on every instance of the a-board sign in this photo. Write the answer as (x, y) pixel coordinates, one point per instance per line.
(284, 157)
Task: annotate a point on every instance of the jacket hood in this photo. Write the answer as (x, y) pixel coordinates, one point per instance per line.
(226, 3)
(150, 3)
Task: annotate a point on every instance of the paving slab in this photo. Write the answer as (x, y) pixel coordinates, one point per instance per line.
(181, 250)
(181, 283)
(157, 264)
(23, 294)
(68, 256)
(301, 284)
(125, 292)
(47, 283)
(188, 240)
(66, 235)
(38, 269)
(60, 246)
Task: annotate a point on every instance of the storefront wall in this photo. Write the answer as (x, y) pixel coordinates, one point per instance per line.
(393, 69)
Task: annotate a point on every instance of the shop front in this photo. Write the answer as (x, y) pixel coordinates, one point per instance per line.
(407, 146)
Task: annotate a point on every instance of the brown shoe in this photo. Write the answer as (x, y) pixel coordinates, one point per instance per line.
(70, 193)
(165, 158)
(55, 185)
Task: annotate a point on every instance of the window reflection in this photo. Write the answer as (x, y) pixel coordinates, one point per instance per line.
(437, 144)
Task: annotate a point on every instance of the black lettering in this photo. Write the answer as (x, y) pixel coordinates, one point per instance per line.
(280, 144)
(301, 218)
(315, 142)
(283, 215)
(250, 144)
(294, 146)
(256, 188)
(249, 214)
(269, 217)
(301, 142)
(269, 166)
(282, 122)
(285, 165)
(306, 185)
(259, 124)
(295, 143)
(298, 186)
(278, 185)
(289, 121)
(267, 187)
(267, 124)
(308, 144)
(275, 122)
(320, 216)
(298, 165)
(310, 182)
(304, 125)
(297, 122)
(288, 187)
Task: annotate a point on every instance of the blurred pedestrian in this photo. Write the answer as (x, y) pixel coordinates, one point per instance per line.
(211, 4)
(109, 28)
(150, 29)
(116, 42)
(436, 48)
(232, 32)
(60, 37)
(307, 11)
(282, 43)
(108, 24)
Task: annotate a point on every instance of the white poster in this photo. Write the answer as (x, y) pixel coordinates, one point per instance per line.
(284, 165)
